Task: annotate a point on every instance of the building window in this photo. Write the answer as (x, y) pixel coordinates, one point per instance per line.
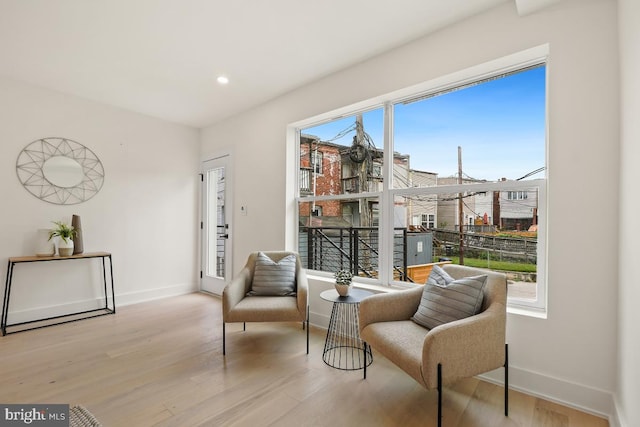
(316, 161)
(459, 169)
(428, 221)
(517, 195)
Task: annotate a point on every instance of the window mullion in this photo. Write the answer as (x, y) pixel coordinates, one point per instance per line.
(386, 225)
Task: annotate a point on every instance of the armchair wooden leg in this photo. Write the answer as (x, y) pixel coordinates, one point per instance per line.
(506, 380)
(224, 338)
(244, 326)
(439, 395)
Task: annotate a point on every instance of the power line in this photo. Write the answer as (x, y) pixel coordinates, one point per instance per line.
(342, 133)
(531, 173)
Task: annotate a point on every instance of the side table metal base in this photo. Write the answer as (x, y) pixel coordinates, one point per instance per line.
(343, 348)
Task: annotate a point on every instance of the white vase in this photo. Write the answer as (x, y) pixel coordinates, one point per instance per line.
(65, 248)
(343, 289)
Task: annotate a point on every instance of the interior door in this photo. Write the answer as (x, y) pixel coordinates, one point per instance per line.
(216, 228)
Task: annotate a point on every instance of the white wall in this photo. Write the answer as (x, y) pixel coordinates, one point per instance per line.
(145, 214)
(628, 391)
(571, 356)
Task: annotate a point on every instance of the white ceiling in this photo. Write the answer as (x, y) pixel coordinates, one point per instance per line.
(162, 57)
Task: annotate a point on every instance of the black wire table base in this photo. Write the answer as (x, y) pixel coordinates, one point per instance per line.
(343, 348)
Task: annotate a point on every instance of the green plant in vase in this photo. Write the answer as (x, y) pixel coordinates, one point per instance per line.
(66, 233)
(343, 282)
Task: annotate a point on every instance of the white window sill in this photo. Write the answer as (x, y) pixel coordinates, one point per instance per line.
(515, 309)
(526, 311)
(329, 281)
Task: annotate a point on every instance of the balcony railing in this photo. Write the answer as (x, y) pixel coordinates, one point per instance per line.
(352, 184)
(305, 180)
(349, 248)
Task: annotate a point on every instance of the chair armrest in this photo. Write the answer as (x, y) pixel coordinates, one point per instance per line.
(465, 347)
(235, 291)
(389, 307)
(302, 291)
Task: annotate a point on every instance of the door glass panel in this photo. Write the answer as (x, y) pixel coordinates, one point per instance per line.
(216, 229)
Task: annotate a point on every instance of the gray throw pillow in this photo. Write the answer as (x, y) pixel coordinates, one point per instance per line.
(445, 299)
(272, 278)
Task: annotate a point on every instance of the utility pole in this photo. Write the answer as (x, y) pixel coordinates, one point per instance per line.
(314, 159)
(362, 168)
(363, 181)
(460, 208)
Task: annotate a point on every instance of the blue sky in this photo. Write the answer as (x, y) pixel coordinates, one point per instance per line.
(500, 126)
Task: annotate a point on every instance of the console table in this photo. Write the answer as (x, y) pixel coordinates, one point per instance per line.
(65, 318)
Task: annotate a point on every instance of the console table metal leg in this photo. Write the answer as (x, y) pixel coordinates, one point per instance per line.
(104, 281)
(7, 295)
(113, 291)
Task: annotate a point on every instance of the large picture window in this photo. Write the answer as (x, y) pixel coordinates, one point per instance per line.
(454, 174)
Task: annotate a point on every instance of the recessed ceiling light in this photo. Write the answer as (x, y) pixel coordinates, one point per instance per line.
(223, 80)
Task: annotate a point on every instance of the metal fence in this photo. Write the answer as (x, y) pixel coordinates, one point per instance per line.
(349, 248)
(508, 248)
(356, 249)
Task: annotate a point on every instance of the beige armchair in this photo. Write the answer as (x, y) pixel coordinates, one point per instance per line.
(446, 353)
(237, 306)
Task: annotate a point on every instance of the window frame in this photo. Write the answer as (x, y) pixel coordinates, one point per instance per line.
(518, 61)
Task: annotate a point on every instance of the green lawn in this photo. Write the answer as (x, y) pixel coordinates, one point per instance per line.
(496, 265)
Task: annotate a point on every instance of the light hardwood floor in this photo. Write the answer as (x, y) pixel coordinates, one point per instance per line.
(160, 363)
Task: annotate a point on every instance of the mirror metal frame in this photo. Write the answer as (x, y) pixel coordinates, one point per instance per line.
(30, 164)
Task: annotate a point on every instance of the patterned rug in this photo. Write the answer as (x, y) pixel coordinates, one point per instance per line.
(80, 416)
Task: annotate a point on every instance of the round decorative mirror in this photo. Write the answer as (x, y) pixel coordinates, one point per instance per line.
(63, 171)
(60, 171)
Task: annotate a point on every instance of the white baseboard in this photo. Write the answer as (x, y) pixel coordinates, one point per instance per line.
(31, 314)
(578, 396)
(320, 320)
(155, 293)
(616, 419)
(44, 312)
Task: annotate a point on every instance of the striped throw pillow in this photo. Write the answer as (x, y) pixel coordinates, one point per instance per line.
(272, 278)
(445, 299)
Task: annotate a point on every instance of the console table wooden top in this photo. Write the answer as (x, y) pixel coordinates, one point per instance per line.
(33, 258)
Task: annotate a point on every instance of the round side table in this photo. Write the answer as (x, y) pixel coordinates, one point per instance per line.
(343, 348)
